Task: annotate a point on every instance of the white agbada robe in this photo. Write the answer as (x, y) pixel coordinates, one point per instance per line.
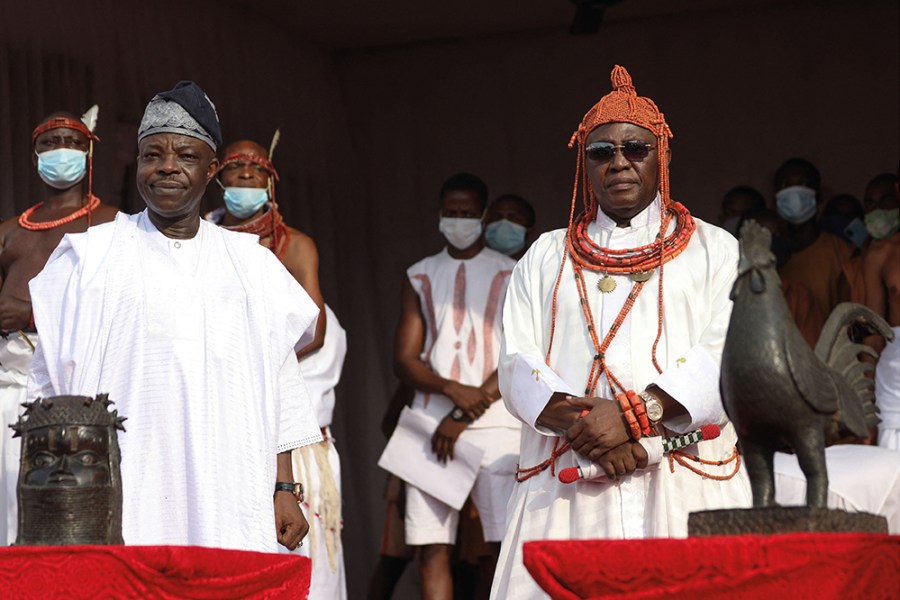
(860, 479)
(318, 467)
(15, 361)
(649, 503)
(194, 342)
(887, 393)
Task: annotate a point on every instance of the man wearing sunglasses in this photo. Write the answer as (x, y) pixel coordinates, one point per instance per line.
(612, 336)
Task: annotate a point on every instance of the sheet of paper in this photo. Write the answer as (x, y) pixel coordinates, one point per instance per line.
(408, 455)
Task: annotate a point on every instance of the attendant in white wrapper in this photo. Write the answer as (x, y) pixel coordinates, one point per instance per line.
(62, 152)
(446, 348)
(612, 334)
(248, 176)
(318, 467)
(192, 331)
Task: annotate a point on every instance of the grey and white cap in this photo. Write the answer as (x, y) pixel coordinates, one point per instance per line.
(185, 110)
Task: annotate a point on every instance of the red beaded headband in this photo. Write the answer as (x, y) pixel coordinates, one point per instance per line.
(63, 123)
(251, 158)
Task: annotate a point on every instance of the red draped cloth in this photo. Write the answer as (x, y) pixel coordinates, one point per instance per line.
(794, 566)
(75, 572)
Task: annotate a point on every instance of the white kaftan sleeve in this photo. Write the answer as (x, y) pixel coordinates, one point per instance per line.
(693, 379)
(54, 302)
(526, 382)
(294, 313)
(297, 424)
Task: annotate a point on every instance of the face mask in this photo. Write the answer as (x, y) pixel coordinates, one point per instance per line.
(883, 223)
(62, 168)
(796, 204)
(731, 225)
(856, 232)
(505, 236)
(461, 233)
(244, 202)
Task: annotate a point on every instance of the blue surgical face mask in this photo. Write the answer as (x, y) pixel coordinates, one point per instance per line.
(245, 202)
(856, 232)
(62, 168)
(505, 236)
(796, 204)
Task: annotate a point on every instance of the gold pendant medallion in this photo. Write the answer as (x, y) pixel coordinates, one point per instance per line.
(606, 284)
(641, 276)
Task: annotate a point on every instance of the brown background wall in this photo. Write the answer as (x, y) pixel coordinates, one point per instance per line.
(370, 133)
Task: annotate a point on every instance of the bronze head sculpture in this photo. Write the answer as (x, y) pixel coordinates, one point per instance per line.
(70, 489)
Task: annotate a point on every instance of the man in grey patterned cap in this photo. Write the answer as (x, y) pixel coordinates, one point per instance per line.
(191, 330)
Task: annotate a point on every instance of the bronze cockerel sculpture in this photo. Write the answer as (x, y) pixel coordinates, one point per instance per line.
(779, 393)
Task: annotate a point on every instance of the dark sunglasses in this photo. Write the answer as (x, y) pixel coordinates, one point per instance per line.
(632, 150)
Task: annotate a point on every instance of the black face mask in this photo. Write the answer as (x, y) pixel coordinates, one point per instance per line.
(781, 248)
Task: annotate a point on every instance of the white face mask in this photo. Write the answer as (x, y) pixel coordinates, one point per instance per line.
(460, 233)
(796, 204)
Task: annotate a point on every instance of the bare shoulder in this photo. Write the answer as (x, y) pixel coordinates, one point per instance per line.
(9, 228)
(301, 247)
(8, 225)
(877, 251)
(300, 239)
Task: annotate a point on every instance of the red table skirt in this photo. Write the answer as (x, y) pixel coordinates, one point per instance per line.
(74, 572)
(793, 566)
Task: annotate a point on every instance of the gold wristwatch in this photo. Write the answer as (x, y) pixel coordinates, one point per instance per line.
(653, 407)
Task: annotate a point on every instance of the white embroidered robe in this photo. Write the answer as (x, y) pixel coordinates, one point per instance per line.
(649, 503)
(194, 342)
(461, 302)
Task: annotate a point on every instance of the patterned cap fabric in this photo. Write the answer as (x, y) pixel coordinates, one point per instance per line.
(185, 110)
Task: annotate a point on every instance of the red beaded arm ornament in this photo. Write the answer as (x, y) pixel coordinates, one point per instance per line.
(630, 418)
(640, 411)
